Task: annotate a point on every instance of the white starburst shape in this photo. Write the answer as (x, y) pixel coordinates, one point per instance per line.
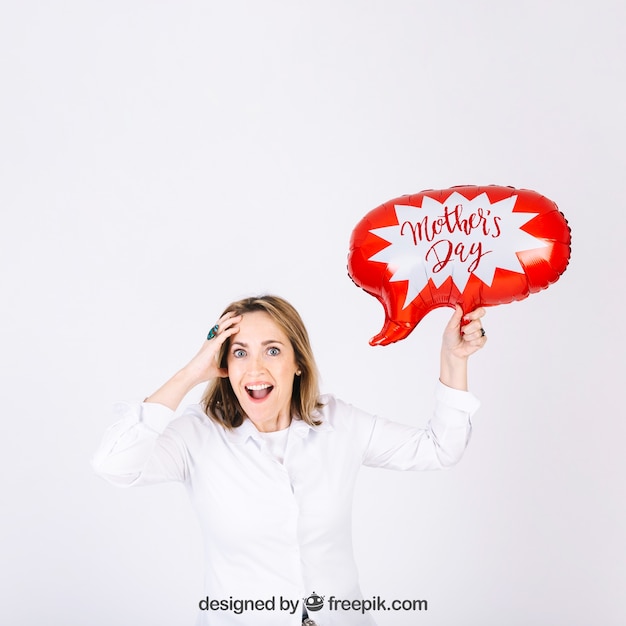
(456, 238)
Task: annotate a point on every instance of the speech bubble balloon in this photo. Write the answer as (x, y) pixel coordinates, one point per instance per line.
(468, 245)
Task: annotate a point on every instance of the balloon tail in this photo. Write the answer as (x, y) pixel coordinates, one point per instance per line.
(391, 333)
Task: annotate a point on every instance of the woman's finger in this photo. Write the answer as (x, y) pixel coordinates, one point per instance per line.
(476, 314)
(474, 331)
(224, 324)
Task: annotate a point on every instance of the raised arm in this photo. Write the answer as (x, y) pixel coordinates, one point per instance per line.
(202, 368)
(442, 443)
(138, 449)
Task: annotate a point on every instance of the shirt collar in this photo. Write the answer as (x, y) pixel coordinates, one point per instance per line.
(247, 430)
(302, 429)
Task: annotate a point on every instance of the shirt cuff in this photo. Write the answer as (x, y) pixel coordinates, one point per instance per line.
(464, 401)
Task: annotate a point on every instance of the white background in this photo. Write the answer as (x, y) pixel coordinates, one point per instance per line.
(160, 159)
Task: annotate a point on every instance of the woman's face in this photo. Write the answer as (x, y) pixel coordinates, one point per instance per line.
(261, 366)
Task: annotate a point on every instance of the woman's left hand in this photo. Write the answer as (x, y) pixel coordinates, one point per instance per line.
(464, 334)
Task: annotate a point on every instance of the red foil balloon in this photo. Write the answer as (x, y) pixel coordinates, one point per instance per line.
(472, 246)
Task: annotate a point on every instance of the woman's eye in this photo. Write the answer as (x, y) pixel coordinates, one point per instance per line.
(273, 351)
(239, 353)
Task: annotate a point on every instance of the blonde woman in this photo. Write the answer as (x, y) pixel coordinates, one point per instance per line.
(270, 465)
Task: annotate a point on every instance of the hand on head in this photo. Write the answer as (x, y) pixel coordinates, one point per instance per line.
(205, 364)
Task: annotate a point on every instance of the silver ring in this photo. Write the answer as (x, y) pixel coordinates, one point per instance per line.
(212, 332)
(482, 332)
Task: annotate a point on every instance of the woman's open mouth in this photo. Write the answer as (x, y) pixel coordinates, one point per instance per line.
(260, 391)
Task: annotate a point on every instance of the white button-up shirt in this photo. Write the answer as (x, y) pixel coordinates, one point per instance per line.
(274, 530)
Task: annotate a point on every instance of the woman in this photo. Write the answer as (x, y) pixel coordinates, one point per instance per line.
(270, 465)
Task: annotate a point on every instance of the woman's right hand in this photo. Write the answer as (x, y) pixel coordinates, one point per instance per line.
(202, 368)
(205, 365)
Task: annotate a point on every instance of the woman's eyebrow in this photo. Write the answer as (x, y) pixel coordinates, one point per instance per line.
(263, 343)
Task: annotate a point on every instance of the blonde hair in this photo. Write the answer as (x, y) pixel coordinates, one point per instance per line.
(219, 400)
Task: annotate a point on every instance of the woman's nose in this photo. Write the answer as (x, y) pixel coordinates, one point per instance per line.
(255, 363)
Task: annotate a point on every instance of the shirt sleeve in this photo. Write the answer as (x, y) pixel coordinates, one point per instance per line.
(139, 449)
(441, 444)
